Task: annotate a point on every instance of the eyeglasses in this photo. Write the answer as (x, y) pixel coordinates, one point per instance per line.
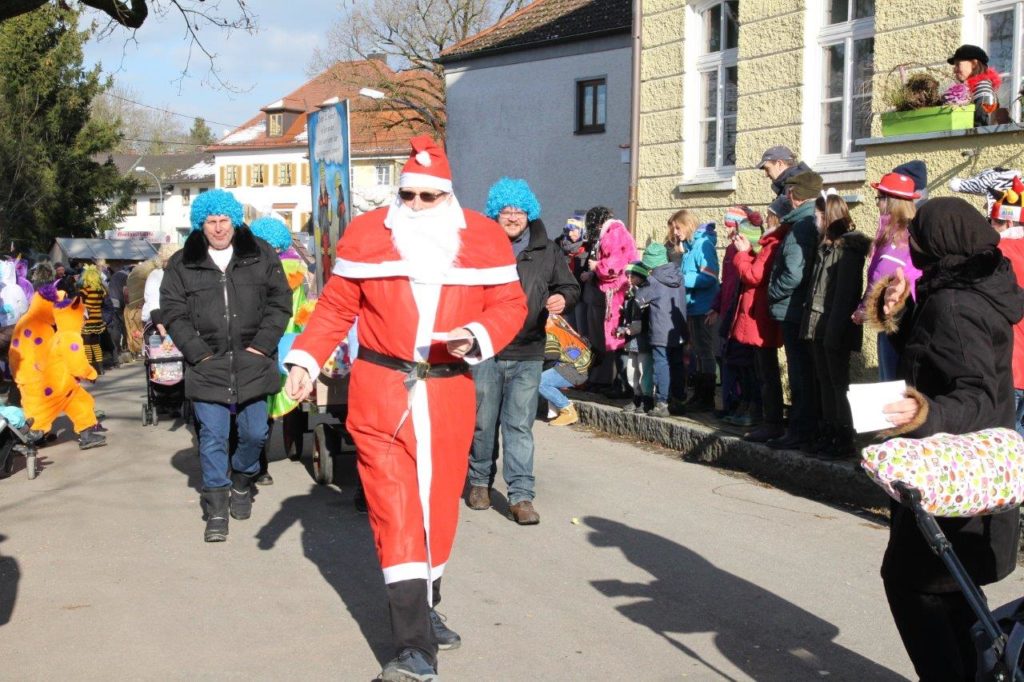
(512, 213)
(428, 197)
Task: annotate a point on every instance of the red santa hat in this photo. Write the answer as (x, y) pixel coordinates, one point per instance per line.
(427, 166)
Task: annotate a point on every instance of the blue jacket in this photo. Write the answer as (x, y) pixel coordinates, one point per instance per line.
(700, 270)
(791, 272)
(665, 298)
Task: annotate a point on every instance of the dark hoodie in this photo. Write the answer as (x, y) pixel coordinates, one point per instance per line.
(957, 344)
(781, 205)
(665, 298)
(543, 272)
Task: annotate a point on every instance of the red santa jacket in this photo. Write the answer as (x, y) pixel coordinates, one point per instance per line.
(481, 292)
(1013, 249)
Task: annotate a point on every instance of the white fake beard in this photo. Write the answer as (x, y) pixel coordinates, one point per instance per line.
(428, 241)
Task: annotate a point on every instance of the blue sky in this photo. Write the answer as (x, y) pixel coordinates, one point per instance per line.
(264, 66)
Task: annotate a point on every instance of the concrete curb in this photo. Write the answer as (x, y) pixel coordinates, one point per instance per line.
(839, 482)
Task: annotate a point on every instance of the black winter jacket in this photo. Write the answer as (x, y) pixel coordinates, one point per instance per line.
(215, 316)
(836, 287)
(957, 345)
(781, 205)
(543, 272)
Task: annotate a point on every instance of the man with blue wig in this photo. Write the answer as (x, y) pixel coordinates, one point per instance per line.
(507, 385)
(225, 302)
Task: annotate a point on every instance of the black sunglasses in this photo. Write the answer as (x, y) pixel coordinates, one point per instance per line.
(429, 197)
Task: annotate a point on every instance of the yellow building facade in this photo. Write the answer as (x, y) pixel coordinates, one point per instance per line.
(723, 80)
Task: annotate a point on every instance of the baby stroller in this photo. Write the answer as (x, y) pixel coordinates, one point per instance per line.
(911, 472)
(18, 438)
(165, 379)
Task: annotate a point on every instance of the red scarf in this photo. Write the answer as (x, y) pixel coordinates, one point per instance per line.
(989, 74)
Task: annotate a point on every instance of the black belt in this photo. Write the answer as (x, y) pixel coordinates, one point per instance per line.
(415, 371)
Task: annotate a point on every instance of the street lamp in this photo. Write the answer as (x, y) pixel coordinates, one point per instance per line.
(422, 111)
(160, 188)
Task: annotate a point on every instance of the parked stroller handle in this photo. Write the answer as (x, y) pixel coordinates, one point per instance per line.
(939, 543)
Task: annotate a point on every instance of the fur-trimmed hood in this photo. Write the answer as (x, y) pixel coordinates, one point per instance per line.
(196, 250)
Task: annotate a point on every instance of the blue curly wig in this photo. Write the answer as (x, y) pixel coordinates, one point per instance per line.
(273, 231)
(216, 202)
(511, 192)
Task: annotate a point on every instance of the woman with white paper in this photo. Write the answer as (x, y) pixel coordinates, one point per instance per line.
(955, 342)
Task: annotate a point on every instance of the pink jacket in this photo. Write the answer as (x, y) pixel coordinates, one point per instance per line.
(616, 250)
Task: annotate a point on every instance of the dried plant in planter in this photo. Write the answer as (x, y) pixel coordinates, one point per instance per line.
(916, 91)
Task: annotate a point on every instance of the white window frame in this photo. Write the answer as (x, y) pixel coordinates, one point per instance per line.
(817, 36)
(383, 168)
(694, 172)
(975, 32)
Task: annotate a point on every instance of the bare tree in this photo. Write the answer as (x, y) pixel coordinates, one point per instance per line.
(409, 35)
(131, 14)
(145, 129)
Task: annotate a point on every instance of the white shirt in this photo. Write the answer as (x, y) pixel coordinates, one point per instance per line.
(151, 294)
(222, 257)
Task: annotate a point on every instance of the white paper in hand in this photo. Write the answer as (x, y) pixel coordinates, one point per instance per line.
(866, 403)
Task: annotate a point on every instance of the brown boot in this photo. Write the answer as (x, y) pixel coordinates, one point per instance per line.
(479, 497)
(524, 514)
(565, 416)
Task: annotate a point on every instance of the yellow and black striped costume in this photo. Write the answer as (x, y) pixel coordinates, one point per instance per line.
(93, 300)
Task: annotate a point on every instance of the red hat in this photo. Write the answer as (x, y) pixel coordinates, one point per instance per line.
(897, 185)
(427, 166)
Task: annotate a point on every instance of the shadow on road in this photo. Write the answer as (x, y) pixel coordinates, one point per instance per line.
(761, 634)
(10, 574)
(339, 543)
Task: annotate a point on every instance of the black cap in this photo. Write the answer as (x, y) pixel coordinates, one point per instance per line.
(968, 52)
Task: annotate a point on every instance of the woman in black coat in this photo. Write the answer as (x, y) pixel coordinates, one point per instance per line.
(957, 344)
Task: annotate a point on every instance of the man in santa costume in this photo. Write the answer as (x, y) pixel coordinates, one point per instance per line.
(435, 289)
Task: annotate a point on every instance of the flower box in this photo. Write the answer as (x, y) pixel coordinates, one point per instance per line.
(927, 120)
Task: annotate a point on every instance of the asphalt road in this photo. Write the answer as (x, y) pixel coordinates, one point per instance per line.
(643, 568)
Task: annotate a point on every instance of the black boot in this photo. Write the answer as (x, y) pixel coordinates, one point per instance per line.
(411, 630)
(241, 495)
(703, 399)
(825, 442)
(215, 506)
(445, 636)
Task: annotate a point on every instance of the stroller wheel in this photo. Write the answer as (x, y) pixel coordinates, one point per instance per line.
(145, 415)
(30, 464)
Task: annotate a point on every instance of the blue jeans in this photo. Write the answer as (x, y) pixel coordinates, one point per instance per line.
(1018, 425)
(669, 373)
(803, 420)
(888, 359)
(214, 431)
(506, 393)
(551, 383)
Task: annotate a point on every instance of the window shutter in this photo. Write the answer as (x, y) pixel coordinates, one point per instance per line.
(291, 173)
(248, 175)
(274, 178)
(222, 176)
(305, 173)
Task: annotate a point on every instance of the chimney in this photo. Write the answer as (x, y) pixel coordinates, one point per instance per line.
(377, 57)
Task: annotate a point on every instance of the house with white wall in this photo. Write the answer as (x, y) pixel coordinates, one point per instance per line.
(544, 95)
(179, 177)
(265, 161)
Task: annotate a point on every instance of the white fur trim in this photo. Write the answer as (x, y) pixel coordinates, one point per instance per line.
(456, 276)
(483, 340)
(425, 180)
(304, 360)
(423, 159)
(416, 570)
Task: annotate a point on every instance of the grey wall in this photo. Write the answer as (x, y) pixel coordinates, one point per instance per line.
(515, 115)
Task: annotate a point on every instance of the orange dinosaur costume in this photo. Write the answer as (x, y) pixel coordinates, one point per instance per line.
(47, 364)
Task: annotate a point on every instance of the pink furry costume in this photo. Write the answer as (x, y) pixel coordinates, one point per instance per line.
(617, 250)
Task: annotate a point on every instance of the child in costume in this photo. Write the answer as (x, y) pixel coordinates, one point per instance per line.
(92, 293)
(48, 365)
(280, 406)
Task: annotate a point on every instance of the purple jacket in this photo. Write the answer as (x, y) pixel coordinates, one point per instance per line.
(886, 259)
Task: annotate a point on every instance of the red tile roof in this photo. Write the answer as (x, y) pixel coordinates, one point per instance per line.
(545, 22)
(373, 128)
